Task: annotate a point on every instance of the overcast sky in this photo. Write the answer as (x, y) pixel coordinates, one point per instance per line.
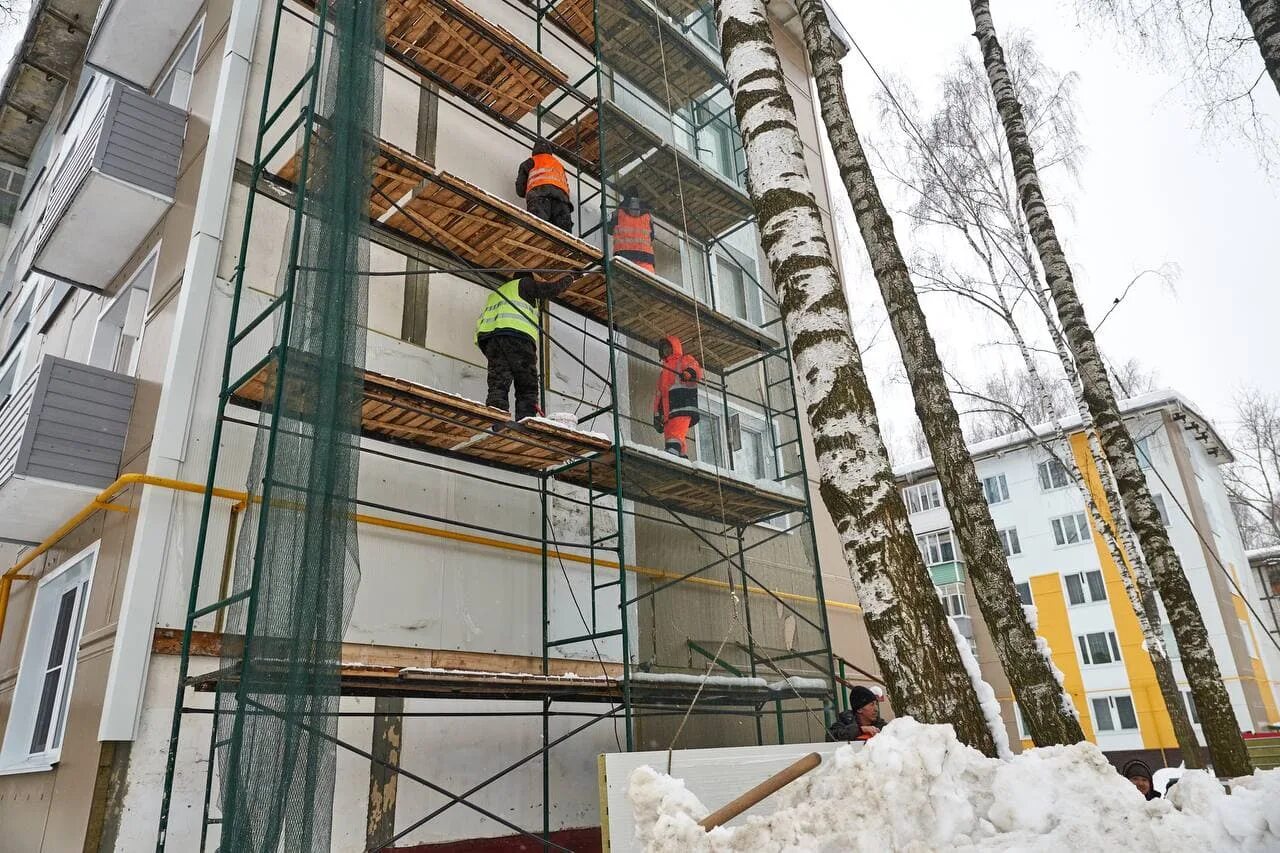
(1152, 190)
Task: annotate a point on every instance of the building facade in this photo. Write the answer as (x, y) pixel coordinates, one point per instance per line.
(136, 126)
(1063, 569)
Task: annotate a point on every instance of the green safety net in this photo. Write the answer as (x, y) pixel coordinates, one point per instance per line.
(297, 556)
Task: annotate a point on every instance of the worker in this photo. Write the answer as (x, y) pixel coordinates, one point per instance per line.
(507, 334)
(544, 186)
(675, 408)
(861, 722)
(632, 228)
(1139, 773)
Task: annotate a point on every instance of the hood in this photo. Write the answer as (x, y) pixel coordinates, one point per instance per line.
(635, 200)
(1136, 767)
(542, 146)
(677, 348)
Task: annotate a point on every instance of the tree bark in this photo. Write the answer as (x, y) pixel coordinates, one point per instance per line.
(921, 665)
(1264, 18)
(1218, 719)
(1040, 696)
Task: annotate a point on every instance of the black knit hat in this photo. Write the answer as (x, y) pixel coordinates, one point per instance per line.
(860, 696)
(1136, 769)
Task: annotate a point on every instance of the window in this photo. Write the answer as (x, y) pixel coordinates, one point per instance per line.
(996, 489)
(1099, 648)
(1085, 588)
(1009, 541)
(116, 340)
(1071, 529)
(1191, 708)
(1114, 713)
(738, 295)
(33, 737)
(752, 459)
(1164, 513)
(1022, 725)
(952, 596)
(1143, 448)
(936, 547)
(1053, 475)
(922, 496)
(175, 86)
(1170, 643)
(710, 444)
(1024, 594)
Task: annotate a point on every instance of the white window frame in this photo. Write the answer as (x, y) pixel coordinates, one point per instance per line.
(126, 311)
(932, 542)
(1086, 589)
(1023, 733)
(1000, 485)
(15, 755)
(1030, 600)
(163, 80)
(1190, 701)
(1009, 541)
(922, 497)
(1114, 724)
(1086, 655)
(1081, 529)
(1045, 471)
(952, 597)
(752, 293)
(1142, 449)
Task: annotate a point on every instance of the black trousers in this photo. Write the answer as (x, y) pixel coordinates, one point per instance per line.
(513, 359)
(551, 208)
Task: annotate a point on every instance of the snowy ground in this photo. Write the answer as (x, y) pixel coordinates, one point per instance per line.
(916, 788)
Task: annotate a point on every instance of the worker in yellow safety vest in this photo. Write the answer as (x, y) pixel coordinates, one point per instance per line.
(507, 334)
(632, 228)
(544, 186)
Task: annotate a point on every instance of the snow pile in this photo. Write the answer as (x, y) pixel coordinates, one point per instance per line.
(914, 787)
(986, 695)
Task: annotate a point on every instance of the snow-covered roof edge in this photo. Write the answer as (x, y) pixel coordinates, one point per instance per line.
(1141, 404)
(1263, 555)
(788, 15)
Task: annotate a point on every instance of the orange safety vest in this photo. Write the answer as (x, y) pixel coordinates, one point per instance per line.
(633, 233)
(547, 171)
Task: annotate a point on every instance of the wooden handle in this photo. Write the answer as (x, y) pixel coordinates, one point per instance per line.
(777, 781)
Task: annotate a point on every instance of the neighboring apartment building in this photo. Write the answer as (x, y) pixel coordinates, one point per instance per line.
(1265, 566)
(1062, 567)
(134, 121)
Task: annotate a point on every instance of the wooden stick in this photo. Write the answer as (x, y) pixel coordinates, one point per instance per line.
(774, 783)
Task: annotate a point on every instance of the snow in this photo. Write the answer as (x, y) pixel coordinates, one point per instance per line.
(560, 420)
(915, 787)
(795, 682)
(724, 473)
(435, 670)
(986, 695)
(1042, 646)
(709, 680)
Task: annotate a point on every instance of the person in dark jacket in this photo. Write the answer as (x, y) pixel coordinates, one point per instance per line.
(544, 186)
(1139, 774)
(862, 721)
(631, 226)
(507, 334)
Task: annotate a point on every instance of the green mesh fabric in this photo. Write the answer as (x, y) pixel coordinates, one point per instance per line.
(298, 552)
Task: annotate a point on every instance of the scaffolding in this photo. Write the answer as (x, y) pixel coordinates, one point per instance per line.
(649, 111)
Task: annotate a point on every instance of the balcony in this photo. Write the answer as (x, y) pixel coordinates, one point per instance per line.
(952, 572)
(111, 189)
(61, 436)
(133, 39)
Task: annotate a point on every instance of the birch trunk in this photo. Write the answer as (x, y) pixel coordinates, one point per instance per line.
(1218, 719)
(1030, 674)
(1264, 18)
(921, 665)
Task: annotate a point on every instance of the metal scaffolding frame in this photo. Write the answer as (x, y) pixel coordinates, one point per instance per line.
(605, 476)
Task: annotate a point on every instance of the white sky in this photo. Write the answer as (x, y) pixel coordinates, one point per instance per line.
(1152, 190)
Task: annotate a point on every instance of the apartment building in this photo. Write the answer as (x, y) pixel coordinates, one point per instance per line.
(1064, 570)
(1265, 566)
(156, 207)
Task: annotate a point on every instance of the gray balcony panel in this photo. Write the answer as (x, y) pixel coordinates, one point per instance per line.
(122, 25)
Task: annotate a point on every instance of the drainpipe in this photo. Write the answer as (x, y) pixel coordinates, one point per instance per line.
(131, 655)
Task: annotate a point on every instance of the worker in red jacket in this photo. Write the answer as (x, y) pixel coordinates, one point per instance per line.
(675, 408)
(631, 226)
(544, 186)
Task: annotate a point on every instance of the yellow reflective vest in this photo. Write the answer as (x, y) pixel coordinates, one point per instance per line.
(505, 309)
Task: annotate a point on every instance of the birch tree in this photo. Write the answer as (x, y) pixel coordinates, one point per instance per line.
(1221, 730)
(909, 634)
(1253, 480)
(1045, 709)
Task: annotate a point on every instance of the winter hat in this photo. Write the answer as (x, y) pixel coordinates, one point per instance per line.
(1136, 769)
(860, 696)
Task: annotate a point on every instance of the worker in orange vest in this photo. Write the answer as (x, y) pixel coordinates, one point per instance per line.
(544, 186)
(675, 408)
(632, 228)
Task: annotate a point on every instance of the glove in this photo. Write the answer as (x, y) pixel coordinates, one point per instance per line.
(689, 375)
(659, 422)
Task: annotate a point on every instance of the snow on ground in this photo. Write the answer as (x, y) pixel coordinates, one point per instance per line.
(915, 788)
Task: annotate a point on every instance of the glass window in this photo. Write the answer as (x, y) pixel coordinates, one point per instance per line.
(1024, 594)
(175, 88)
(1114, 713)
(1124, 712)
(952, 596)
(1022, 725)
(1191, 708)
(1085, 587)
(1164, 513)
(1099, 648)
(1071, 529)
(738, 295)
(1102, 715)
(1143, 448)
(937, 547)
(1053, 475)
(996, 489)
(709, 440)
(1009, 541)
(922, 496)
